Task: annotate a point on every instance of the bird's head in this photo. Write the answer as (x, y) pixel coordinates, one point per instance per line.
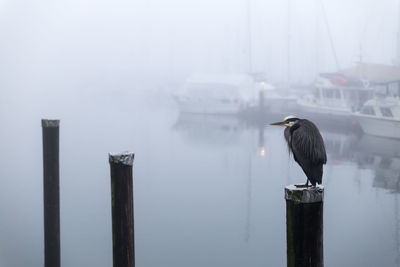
(288, 121)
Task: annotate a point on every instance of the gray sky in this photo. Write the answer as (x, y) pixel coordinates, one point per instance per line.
(92, 43)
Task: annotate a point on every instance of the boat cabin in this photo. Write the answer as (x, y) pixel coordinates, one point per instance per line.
(388, 108)
(337, 91)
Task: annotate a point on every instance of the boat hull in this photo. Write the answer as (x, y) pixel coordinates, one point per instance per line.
(208, 107)
(322, 109)
(280, 104)
(379, 127)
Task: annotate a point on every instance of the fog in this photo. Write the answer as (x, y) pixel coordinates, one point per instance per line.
(208, 187)
(129, 44)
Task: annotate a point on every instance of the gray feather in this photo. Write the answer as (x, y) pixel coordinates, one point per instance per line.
(305, 142)
(308, 143)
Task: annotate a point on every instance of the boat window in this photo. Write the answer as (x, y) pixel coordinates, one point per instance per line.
(318, 93)
(368, 110)
(363, 96)
(350, 95)
(393, 89)
(365, 160)
(326, 93)
(331, 93)
(385, 162)
(337, 94)
(386, 112)
(380, 89)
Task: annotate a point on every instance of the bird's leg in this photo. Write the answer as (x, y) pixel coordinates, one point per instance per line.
(306, 185)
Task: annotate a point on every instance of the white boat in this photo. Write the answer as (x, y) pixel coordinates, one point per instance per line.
(216, 94)
(334, 98)
(276, 99)
(380, 117)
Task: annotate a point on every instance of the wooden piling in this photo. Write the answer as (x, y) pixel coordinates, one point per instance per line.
(261, 100)
(51, 192)
(304, 226)
(122, 209)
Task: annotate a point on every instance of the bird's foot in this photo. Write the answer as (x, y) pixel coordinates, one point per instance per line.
(302, 185)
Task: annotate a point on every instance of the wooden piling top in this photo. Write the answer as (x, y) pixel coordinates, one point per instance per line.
(50, 123)
(125, 158)
(304, 194)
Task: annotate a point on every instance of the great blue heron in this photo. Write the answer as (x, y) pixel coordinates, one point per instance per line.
(305, 142)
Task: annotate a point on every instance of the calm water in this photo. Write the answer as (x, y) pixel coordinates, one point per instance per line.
(208, 190)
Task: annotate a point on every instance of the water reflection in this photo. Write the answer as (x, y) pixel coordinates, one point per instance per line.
(225, 131)
(353, 161)
(379, 155)
(339, 146)
(382, 155)
(203, 129)
(205, 185)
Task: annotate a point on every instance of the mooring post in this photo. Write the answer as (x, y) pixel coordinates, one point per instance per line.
(122, 209)
(51, 192)
(304, 226)
(261, 100)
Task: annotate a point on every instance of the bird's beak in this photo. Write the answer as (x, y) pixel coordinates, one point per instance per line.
(281, 123)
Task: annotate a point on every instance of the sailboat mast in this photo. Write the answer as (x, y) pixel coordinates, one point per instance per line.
(249, 41)
(288, 42)
(397, 60)
(330, 35)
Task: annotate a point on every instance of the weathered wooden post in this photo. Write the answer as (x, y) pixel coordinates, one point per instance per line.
(51, 192)
(122, 209)
(304, 226)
